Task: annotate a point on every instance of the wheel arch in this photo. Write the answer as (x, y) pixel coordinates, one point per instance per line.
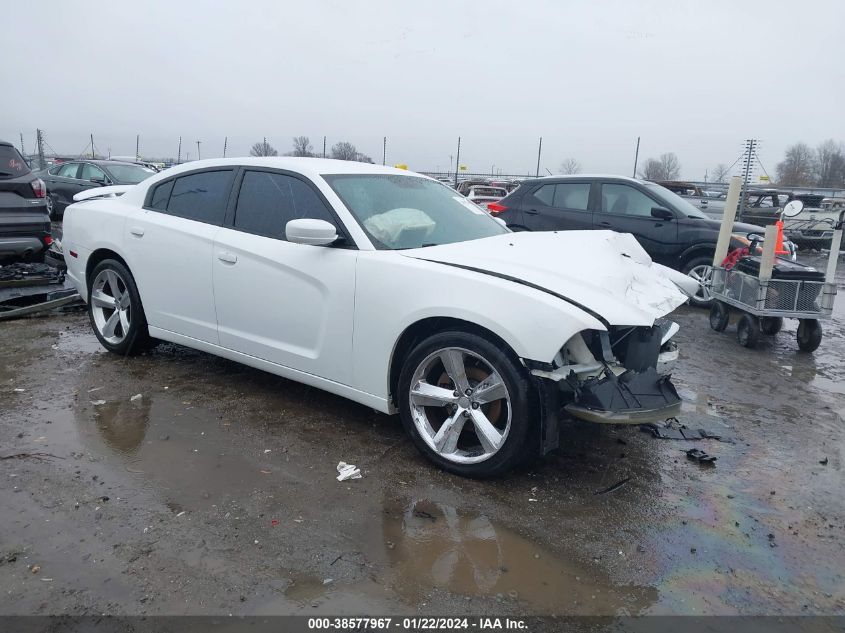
(429, 326)
(99, 255)
(698, 250)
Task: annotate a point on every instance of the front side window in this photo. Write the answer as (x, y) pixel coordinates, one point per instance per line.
(625, 200)
(130, 174)
(267, 201)
(90, 172)
(400, 212)
(201, 196)
(68, 170)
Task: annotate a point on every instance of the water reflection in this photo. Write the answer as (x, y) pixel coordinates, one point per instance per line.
(434, 545)
(123, 424)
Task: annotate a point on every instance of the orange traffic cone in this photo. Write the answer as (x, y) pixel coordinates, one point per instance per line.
(779, 249)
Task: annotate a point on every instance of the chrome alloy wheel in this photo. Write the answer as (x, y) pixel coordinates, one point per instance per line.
(111, 306)
(460, 405)
(703, 274)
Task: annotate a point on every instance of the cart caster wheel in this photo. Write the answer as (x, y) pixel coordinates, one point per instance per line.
(719, 316)
(809, 335)
(771, 325)
(748, 331)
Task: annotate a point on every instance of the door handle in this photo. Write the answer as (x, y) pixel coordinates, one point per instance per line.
(532, 212)
(137, 231)
(605, 223)
(228, 258)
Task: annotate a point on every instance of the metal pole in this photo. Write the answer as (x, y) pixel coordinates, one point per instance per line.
(539, 151)
(39, 140)
(179, 155)
(93, 156)
(636, 158)
(199, 155)
(23, 151)
(749, 145)
(324, 147)
(138, 147)
(384, 152)
(457, 162)
(225, 142)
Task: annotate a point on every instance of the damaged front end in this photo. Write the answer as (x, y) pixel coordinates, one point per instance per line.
(620, 376)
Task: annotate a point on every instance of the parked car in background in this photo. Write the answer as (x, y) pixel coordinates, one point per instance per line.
(483, 195)
(24, 222)
(69, 178)
(671, 230)
(378, 285)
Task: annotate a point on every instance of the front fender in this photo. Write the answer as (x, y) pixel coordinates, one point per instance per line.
(394, 292)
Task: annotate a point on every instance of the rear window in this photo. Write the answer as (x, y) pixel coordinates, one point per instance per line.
(12, 164)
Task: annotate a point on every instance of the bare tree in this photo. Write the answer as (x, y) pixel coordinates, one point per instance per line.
(652, 170)
(797, 167)
(721, 172)
(363, 158)
(344, 151)
(671, 166)
(570, 166)
(302, 146)
(830, 164)
(263, 148)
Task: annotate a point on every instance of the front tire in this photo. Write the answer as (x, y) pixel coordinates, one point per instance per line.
(809, 335)
(771, 325)
(465, 403)
(719, 316)
(701, 269)
(115, 309)
(748, 331)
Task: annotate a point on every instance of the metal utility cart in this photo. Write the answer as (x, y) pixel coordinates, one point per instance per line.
(773, 294)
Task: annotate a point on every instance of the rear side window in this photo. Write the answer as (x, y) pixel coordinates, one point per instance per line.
(545, 194)
(161, 196)
(572, 195)
(268, 201)
(12, 163)
(201, 196)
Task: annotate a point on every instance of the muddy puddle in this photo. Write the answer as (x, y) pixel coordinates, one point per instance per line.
(435, 545)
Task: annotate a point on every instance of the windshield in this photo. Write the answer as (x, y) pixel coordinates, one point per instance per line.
(12, 163)
(674, 201)
(399, 212)
(130, 174)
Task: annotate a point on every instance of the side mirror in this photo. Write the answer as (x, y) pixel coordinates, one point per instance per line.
(312, 232)
(793, 208)
(662, 214)
(99, 180)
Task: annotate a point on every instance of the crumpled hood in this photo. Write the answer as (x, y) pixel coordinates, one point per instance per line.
(606, 272)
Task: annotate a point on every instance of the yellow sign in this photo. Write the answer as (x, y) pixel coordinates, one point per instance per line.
(764, 179)
(401, 166)
(463, 167)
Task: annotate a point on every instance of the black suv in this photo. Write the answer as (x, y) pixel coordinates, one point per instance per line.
(671, 230)
(24, 222)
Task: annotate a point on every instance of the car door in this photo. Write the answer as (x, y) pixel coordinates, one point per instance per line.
(290, 304)
(63, 183)
(627, 209)
(169, 250)
(558, 207)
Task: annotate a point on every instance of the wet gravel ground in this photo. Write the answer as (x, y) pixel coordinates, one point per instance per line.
(215, 493)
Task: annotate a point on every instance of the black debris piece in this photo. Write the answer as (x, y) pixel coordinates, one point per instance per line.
(823, 462)
(701, 457)
(615, 486)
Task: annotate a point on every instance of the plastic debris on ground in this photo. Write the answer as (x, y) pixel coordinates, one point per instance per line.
(136, 397)
(347, 471)
(673, 429)
(701, 457)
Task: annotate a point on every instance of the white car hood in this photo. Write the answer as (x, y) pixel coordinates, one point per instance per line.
(607, 273)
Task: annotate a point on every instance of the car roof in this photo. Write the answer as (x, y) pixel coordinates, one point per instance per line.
(585, 177)
(312, 167)
(6, 144)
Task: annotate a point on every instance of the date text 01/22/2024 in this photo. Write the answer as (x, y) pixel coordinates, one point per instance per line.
(417, 623)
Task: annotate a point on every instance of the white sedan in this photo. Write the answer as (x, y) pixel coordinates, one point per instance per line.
(387, 288)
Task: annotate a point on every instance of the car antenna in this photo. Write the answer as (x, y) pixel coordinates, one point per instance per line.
(550, 173)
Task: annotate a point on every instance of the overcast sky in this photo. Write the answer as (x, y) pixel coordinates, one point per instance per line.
(691, 77)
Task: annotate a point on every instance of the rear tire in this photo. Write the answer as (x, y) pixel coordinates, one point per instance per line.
(748, 331)
(700, 269)
(771, 325)
(809, 335)
(719, 316)
(115, 310)
(490, 435)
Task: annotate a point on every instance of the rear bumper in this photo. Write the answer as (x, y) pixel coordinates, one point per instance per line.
(20, 246)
